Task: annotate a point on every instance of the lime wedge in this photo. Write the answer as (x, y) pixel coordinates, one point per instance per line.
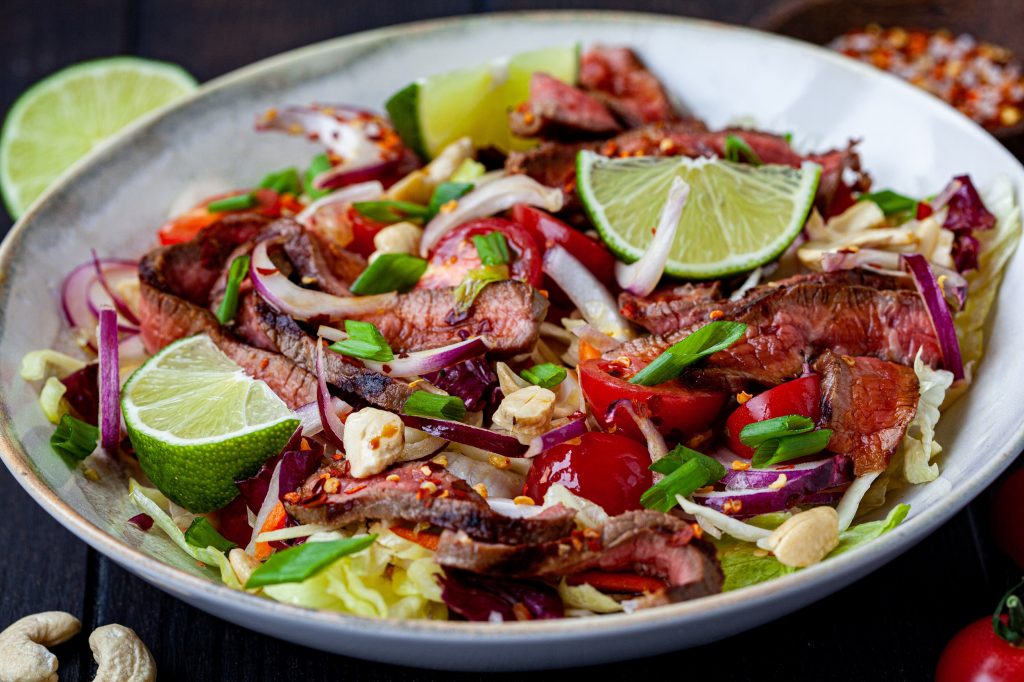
(199, 423)
(432, 112)
(59, 119)
(738, 216)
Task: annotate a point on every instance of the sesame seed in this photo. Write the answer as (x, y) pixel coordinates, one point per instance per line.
(716, 315)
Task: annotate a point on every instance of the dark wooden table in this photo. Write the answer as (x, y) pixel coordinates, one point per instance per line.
(890, 626)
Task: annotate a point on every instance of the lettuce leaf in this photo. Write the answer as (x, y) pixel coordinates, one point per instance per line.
(919, 445)
(588, 598)
(588, 514)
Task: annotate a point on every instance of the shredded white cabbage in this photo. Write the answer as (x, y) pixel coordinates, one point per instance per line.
(588, 514)
(725, 524)
(919, 445)
(587, 598)
(51, 400)
(41, 364)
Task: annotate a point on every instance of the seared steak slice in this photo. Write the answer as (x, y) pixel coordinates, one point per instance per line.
(669, 309)
(868, 403)
(349, 376)
(560, 111)
(417, 492)
(645, 542)
(796, 319)
(550, 163)
(616, 76)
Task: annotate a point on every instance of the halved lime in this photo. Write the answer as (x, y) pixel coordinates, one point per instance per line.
(432, 112)
(738, 216)
(199, 423)
(60, 118)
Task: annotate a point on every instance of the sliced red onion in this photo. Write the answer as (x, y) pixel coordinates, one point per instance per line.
(947, 193)
(953, 285)
(333, 429)
(269, 502)
(938, 310)
(142, 521)
(493, 197)
(848, 505)
(641, 277)
(82, 295)
(309, 415)
(816, 475)
(109, 381)
(343, 176)
(457, 432)
(426, 361)
(304, 304)
(655, 441)
(364, 191)
(872, 259)
(587, 293)
(824, 498)
(119, 303)
(574, 428)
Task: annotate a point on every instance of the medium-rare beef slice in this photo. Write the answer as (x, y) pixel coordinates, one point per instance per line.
(417, 492)
(557, 110)
(645, 542)
(617, 77)
(868, 403)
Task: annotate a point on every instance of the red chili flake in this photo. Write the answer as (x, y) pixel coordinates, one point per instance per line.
(354, 489)
(267, 271)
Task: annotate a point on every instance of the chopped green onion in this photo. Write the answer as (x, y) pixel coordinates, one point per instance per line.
(755, 433)
(74, 439)
(779, 450)
(890, 202)
(295, 564)
(319, 164)
(445, 192)
(389, 272)
(284, 181)
(467, 171)
(239, 202)
(229, 304)
(391, 211)
(547, 375)
(788, 137)
(492, 248)
(737, 150)
(708, 340)
(424, 404)
(474, 282)
(685, 471)
(364, 342)
(202, 534)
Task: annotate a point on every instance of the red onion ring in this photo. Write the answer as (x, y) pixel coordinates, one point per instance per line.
(575, 428)
(334, 430)
(109, 381)
(310, 423)
(345, 176)
(426, 361)
(476, 436)
(938, 310)
(119, 304)
(366, 191)
(587, 293)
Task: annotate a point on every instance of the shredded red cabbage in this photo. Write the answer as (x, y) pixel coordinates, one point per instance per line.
(296, 467)
(83, 393)
(472, 380)
(143, 521)
(483, 598)
(966, 213)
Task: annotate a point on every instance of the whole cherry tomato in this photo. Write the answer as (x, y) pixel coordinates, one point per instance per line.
(979, 653)
(363, 231)
(673, 408)
(549, 230)
(801, 396)
(1008, 519)
(605, 468)
(186, 226)
(455, 254)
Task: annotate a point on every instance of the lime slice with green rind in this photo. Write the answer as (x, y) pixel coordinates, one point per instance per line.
(432, 112)
(198, 423)
(61, 118)
(738, 216)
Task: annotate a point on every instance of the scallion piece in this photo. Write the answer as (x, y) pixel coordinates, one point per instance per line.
(473, 283)
(788, 137)
(445, 192)
(738, 150)
(389, 272)
(364, 342)
(295, 564)
(319, 164)
(229, 304)
(391, 211)
(685, 471)
(239, 202)
(202, 534)
(755, 433)
(890, 202)
(492, 248)
(284, 181)
(424, 404)
(778, 450)
(547, 375)
(708, 340)
(74, 439)
(680, 455)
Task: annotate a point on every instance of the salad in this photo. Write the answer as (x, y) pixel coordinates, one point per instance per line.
(536, 344)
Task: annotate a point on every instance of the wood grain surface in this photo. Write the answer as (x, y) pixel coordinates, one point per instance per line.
(889, 626)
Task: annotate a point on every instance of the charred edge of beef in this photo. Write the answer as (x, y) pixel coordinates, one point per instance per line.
(560, 111)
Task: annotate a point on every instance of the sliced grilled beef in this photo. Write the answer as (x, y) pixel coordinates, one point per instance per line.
(557, 110)
(868, 403)
(417, 492)
(616, 76)
(796, 319)
(669, 309)
(644, 542)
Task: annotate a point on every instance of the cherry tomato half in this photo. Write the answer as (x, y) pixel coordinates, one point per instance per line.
(978, 654)
(801, 396)
(605, 468)
(549, 230)
(363, 231)
(455, 254)
(674, 409)
(1008, 517)
(185, 227)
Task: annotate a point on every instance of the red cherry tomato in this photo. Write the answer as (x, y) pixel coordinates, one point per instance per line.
(455, 254)
(549, 230)
(978, 654)
(1008, 519)
(186, 226)
(674, 409)
(605, 468)
(801, 396)
(363, 231)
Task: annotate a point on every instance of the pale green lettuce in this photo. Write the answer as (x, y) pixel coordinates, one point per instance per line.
(588, 598)
(919, 445)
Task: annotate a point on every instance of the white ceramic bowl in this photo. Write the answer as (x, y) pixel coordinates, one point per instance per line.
(115, 200)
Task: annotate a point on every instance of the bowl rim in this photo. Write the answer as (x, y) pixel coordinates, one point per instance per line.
(821, 577)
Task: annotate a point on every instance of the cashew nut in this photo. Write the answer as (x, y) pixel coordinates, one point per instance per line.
(805, 538)
(121, 655)
(23, 653)
(526, 413)
(398, 238)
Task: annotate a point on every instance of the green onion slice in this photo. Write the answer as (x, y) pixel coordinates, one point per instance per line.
(391, 211)
(285, 181)
(202, 534)
(239, 202)
(364, 342)
(424, 404)
(737, 150)
(708, 340)
(229, 304)
(74, 439)
(389, 272)
(320, 164)
(685, 471)
(547, 375)
(296, 564)
(474, 282)
(755, 433)
(778, 450)
(890, 202)
(492, 248)
(445, 192)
